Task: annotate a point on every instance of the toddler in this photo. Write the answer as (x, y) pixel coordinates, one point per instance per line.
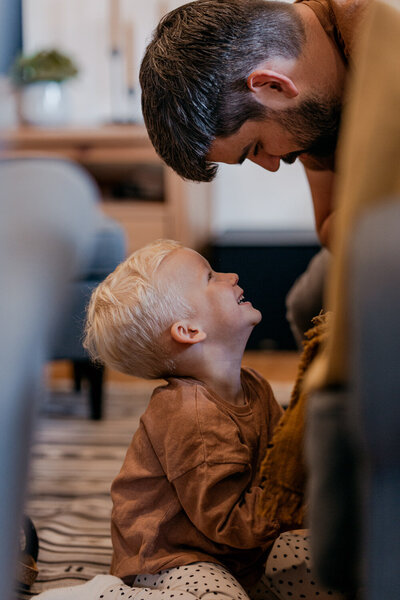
(185, 521)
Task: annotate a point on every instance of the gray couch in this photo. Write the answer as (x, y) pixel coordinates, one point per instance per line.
(109, 251)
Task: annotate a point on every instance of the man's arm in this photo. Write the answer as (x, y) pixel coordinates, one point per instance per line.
(321, 185)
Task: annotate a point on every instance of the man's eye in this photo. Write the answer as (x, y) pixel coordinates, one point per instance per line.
(256, 149)
(209, 276)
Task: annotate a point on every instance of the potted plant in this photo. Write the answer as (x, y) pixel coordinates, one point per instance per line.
(40, 82)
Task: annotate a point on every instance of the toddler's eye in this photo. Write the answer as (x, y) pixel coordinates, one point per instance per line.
(209, 275)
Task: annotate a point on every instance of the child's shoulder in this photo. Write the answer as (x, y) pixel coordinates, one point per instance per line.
(175, 388)
(185, 401)
(250, 375)
(177, 396)
(182, 423)
(258, 386)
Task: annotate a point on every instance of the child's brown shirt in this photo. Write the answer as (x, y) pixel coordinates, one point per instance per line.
(189, 486)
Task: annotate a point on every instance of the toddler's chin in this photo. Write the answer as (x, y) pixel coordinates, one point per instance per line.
(257, 317)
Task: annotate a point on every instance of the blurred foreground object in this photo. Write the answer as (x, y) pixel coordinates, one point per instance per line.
(353, 434)
(46, 236)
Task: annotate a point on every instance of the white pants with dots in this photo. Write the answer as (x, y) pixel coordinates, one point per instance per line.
(288, 576)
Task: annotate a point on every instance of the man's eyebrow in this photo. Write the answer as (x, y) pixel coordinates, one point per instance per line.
(244, 154)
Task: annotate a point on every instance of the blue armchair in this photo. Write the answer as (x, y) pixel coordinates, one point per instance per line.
(109, 251)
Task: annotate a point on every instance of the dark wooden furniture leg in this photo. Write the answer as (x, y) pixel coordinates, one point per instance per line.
(94, 374)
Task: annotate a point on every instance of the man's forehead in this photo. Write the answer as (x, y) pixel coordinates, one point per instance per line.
(234, 148)
(227, 150)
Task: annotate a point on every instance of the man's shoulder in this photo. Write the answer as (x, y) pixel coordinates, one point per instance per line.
(337, 6)
(348, 16)
(340, 19)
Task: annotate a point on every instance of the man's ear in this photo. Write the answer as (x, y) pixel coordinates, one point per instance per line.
(270, 86)
(187, 333)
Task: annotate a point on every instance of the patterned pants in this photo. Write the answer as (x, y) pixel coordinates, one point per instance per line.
(288, 576)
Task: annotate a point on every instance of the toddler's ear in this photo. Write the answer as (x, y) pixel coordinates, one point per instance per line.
(187, 333)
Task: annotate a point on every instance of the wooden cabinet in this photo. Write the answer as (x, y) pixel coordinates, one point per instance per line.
(137, 189)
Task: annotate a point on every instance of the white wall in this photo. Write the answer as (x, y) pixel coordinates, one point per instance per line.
(81, 29)
(248, 197)
(244, 197)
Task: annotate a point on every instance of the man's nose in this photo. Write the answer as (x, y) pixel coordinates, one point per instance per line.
(267, 161)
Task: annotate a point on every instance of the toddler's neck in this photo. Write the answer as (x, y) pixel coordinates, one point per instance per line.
(221, 372)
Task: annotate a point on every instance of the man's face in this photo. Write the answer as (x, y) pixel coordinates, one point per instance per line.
(219, 307)
(311, 129)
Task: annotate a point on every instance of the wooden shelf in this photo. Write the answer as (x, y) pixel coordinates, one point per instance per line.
(106, 135)
(184, 213)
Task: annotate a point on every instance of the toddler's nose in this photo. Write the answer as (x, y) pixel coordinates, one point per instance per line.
(234, 278)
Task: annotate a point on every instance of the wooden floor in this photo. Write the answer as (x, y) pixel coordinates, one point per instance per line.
(277, 366)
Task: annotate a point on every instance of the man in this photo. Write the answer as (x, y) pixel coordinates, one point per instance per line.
(229, 80)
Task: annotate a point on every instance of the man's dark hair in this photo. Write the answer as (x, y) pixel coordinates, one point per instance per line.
(193, 75)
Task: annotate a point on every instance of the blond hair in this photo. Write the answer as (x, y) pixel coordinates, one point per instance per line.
(130, 311)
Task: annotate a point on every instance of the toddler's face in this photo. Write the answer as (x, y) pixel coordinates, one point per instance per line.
(219, 306)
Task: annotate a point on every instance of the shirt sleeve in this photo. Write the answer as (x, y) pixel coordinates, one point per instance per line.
(221, 503)
(217, 494)
(205, 459)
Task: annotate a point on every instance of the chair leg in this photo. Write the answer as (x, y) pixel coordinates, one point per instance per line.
(95, 377)
(77, 375)
(94, 373)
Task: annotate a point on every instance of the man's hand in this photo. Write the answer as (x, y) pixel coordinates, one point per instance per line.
(321, 185)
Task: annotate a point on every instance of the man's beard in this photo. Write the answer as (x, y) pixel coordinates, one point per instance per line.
(314, 126)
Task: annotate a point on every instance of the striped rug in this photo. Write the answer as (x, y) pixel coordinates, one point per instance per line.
(73, 463)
